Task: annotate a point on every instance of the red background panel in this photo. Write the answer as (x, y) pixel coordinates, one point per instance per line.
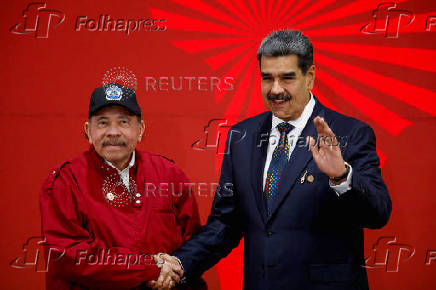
(375, 61)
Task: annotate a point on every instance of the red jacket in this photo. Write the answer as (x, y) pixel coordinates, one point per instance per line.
(101, 245)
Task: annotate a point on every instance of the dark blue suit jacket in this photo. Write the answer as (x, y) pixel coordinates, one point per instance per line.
(313, 238)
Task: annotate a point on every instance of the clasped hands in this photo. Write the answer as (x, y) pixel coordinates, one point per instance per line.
(171, 272)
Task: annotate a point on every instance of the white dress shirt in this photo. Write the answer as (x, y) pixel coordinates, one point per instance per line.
(298, 126)
(124, 174)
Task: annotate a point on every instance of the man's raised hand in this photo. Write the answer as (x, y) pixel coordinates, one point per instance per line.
(326, 153)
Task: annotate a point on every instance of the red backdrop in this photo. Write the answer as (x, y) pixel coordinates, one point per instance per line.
(194, 61)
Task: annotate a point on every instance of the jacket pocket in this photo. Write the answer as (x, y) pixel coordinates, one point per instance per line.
(333, 272)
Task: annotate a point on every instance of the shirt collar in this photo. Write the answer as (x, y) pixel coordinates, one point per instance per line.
(131, 163)
(301, 121)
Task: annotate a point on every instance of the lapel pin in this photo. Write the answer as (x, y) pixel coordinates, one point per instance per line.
(110, 196)
(303, 178)
(310, 178)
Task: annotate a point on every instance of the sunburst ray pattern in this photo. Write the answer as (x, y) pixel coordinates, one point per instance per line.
(239, 26)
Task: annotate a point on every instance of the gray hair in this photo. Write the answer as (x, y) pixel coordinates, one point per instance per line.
(286, 42)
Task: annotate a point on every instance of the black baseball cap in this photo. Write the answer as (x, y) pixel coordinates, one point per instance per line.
(113, 94)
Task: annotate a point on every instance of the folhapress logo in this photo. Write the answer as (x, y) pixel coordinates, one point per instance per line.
(388, 254)
(33, 255)
(387, 20)
(39, 20)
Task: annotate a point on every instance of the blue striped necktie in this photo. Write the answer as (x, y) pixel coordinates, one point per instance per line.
(278, 162)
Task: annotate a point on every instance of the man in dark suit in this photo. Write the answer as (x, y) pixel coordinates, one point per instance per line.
(302, 199)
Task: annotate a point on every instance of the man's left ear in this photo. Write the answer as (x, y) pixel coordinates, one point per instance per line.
(86, 131)
(141, 131)
(310, 77)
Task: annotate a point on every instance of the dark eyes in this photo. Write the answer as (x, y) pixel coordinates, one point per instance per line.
(104, 123)
(124, 122)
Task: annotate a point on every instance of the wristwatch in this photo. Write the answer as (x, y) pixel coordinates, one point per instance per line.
(343, 176)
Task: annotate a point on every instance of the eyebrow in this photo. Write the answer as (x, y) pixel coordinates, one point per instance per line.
(123, 116)
(286, 74)
(120, 116)
(289, 74)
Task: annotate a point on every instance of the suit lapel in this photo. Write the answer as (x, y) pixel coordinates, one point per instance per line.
(298, 159)
(258, 159)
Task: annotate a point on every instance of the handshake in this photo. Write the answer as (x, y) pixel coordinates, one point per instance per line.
(171, 272)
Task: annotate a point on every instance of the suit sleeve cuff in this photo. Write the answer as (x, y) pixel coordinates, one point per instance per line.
(344, 186)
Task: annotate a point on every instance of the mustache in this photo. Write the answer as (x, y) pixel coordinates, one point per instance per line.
(114, 143)
(278, 97)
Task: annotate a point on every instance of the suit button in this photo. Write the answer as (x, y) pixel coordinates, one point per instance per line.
(269, 233)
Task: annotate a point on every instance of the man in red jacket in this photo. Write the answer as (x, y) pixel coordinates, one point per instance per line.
(110, 210)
